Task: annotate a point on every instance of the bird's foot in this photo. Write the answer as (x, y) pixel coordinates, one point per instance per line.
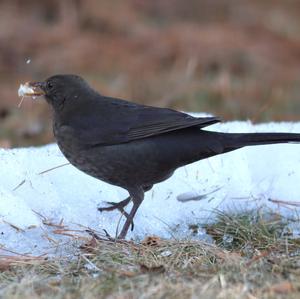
(118, 206)
(113, 206)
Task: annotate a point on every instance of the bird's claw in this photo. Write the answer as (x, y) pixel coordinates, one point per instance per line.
(113, 206)
(117, 206)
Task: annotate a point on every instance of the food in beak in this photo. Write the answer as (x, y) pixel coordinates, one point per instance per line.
(25, 90)
(30, 90)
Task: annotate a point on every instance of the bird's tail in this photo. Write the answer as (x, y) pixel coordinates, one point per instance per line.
(195, 145)
(238, 140)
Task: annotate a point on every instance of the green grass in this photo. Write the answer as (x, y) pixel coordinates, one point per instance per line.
(256, 230)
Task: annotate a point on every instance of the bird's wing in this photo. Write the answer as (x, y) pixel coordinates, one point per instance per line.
(154, 121)
(127, 122)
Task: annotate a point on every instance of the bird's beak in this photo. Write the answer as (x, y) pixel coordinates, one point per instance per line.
(37, 89)
(32, 89)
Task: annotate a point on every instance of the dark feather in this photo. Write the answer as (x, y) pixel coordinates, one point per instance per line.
(134, 122)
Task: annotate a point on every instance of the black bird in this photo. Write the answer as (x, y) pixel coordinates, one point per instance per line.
(130, 145)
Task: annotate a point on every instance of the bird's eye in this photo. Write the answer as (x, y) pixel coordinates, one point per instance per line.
(49, 85)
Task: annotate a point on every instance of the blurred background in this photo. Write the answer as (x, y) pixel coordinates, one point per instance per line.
(236, 59)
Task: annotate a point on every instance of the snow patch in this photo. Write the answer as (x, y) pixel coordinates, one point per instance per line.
(35, 206)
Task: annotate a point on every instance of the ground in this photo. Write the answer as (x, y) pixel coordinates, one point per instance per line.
(253, 256)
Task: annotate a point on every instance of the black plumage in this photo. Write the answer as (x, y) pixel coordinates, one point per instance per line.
(130, 145)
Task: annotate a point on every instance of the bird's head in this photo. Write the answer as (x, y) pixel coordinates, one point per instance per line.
(61, 90)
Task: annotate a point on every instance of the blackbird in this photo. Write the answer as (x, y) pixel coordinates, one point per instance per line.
(131, 145)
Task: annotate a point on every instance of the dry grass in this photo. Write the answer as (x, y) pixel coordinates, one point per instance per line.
(261, 262)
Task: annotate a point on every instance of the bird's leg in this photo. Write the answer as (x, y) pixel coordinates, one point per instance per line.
(137, 196)
(120, 206)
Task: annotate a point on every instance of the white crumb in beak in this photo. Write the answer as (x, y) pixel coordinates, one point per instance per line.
(25, 90)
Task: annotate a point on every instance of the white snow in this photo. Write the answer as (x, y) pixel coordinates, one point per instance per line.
(35, 208)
